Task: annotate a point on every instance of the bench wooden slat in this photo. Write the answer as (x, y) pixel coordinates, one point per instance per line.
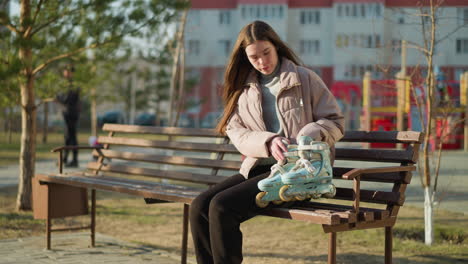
(164, 174)
(346, 216)
(140, 188)
(390, 221)
(303, 215)
(380, 197)
(189, 146)
(379, 214)
(383, 136)
(172, 131)
(389, 177)
(173, 160)
(377, 155)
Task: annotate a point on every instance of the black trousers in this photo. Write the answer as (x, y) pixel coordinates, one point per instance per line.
(216, 215)
(70, 135)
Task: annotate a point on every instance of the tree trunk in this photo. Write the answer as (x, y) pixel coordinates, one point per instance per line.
(94, 129)
(181, 97)
(45, 125)
(175, 68)
(10, 125)
(28, 145)
(28, 114)
(428, 217)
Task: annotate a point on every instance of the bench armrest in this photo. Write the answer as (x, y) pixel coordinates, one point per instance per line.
(73, 147)
(62, 148)
(355, 175)
(352, 174)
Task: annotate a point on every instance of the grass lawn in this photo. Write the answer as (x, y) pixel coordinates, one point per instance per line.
(266, 239)
(9, 152)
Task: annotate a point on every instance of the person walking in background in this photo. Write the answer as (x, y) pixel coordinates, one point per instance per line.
(71, 105)
(269, 97)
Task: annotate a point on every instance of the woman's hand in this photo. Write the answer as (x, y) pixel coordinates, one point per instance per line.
(277, 146)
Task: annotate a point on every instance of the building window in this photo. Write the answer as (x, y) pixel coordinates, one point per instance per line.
(339, 10)
(225, 46)
(378, 10)
(194, 47)
(396, 45)
(369, 41)
(339, 42)
(309, 46)
(309, 17)
(462, 16)
(377, 41)
(261, 11)
(462, 46)
(194, 17)
(363, 10)
(225, 17)
(345, 41)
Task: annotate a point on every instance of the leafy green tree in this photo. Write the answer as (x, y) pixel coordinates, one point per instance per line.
(48, 31)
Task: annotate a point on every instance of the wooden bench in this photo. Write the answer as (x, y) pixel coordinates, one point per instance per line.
(134, 159)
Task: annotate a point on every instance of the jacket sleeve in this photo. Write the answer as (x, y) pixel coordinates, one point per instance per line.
(249, 143)
(329, 121)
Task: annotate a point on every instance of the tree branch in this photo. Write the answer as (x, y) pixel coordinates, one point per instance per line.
(66, 55)
(418, 47)
(36, 13)
(450, 33)
(6, 22)
(52, 20)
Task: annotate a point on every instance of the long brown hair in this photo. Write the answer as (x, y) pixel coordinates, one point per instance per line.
(239, 67)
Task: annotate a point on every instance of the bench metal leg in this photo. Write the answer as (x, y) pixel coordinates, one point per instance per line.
(185, 223)
(332, 248)
(388, 244)
(48, 222)
(93, 217)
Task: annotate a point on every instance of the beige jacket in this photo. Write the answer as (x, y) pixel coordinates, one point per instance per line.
(306, 107)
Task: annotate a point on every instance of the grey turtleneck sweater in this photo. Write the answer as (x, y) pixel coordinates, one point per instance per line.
(270, 87)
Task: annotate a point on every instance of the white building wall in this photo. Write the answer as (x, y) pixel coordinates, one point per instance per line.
(311, 31)
(361, 21)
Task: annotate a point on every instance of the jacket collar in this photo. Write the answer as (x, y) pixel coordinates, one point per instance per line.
(288, 75)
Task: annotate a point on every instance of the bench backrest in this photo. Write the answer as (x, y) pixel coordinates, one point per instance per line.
(191, 155)
(203, 156)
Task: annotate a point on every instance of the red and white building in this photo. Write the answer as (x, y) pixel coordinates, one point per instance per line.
(339, 39)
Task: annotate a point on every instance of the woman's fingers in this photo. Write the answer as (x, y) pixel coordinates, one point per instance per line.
(278, 146)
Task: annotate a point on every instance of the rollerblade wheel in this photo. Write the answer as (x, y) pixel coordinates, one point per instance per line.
(259, 202)
(330, 194)
(300, 197)
(315, 196)
(277, 202)
(283, 195)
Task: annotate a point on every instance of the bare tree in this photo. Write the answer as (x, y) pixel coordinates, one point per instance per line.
(429, 105)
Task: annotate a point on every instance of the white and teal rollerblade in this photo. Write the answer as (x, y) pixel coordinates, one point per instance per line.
(311, 177)
(271, 185)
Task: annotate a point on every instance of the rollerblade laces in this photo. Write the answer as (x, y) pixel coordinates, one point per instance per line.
(311, 177)
(271, 185)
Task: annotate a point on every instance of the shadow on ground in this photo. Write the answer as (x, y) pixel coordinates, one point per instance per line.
(367, 258)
